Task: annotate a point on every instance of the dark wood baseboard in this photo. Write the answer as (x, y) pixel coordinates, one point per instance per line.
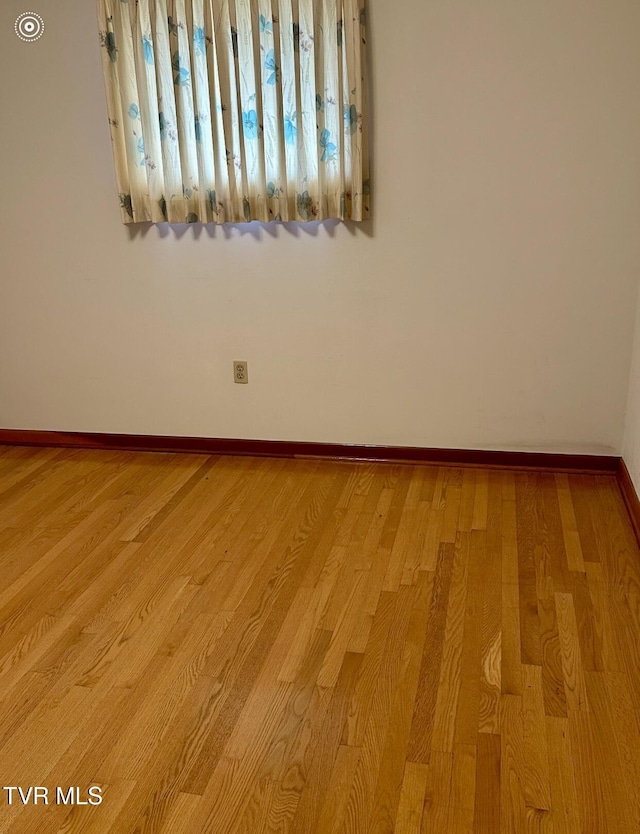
(596, 464)
(630, 496)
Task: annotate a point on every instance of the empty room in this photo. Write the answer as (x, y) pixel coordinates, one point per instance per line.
(320, 417)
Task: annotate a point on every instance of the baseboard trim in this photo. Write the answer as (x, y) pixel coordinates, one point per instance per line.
(593, 464)
(630, 496)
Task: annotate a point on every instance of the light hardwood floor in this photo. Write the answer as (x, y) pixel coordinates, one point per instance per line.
(249, 645)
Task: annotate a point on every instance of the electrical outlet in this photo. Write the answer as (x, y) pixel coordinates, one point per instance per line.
(240, 372)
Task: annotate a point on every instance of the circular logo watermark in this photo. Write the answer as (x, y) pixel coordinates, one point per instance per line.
(29, 26)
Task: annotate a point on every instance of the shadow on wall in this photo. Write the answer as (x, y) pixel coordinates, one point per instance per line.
(254, 229)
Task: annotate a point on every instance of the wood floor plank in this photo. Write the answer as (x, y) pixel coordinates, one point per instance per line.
(422, 726)
(570, 532)
(22, 463)
(85, 820)
(571, 658)
(156, 499)
(335, 806)
(467, 713)
(184, 808)
(527, 581)
(513, 765)
(626, 728)
(588, 779)
(490, 555)
(487, 793)
(453, 640)
(267, 608)
(295, 646)
(314, 781)
(564, 798)
(389, 780)
(462, 797)
(481, 500)
(387, 619)
(432, 538)
(343, 631)
(608, 638)
(414, 786)
(234, 681)
(467, 501)
(619, 810)
(435, 812)
(397, 664)
(509, 530)
(246, 807)
(511, 654)
(592, 619)
(582, 488)
(46, 487)
(536, 783)
(406, 551)
(553, 680)
(552, 536)
(453, 497)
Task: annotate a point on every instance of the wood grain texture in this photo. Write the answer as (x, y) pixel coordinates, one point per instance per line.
(258, 646)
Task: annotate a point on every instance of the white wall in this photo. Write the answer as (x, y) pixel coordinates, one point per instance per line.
(489, 303)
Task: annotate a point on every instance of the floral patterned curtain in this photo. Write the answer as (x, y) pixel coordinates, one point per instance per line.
(236, 110)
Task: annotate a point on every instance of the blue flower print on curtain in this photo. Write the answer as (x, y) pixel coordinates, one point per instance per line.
(271, 67)
(182, 75)
(167, 129)
(265, 25)
(306, 207)
(108, 41)
(350, 118)
(199, 40)
(328, 147)
(147, 49)
(290, 129)
(250, 123)
(126, 204)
